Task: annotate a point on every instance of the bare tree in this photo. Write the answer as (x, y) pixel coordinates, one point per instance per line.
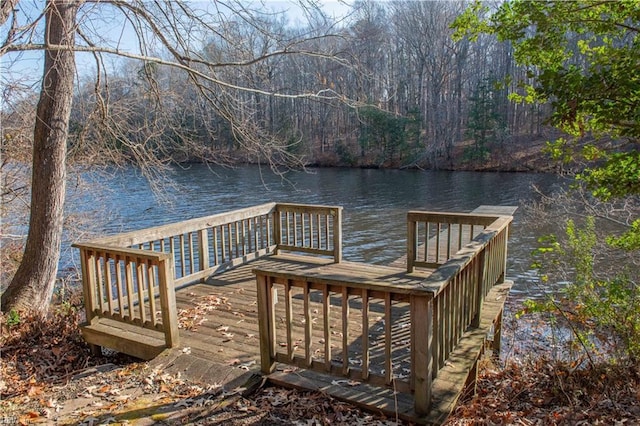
(169, 34)
(33, 283)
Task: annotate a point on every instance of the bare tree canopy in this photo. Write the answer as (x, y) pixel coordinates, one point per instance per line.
(201, 46)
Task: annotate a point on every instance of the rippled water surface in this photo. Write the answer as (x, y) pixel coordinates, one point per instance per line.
(375, 202)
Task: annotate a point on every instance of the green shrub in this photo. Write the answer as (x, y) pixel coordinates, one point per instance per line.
(601, 310)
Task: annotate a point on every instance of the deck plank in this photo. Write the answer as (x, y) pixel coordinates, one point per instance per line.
(229, 333)
(229, 330)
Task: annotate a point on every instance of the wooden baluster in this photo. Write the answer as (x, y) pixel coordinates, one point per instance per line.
(448, 241)
(446, 293)
(118, 264)
(253, 226)
(307, 325)
(480, 293)
(100, 281)
(172, 248)
(151, 279)
(388, 364)
(183, 266)
(438, 231)
(295, 229)
(311, 232)
(365, 334)
(326, 314)
(287, 221)
(239, 240)
(412, 244)
(108, 283)
(288, 319)
(222, 243)
(438, 336)
(230, 241)
(345, 331)
(192, 268)
(276, 238)
(129, 284)
(337, 235)
(141, 289)
(427, 242)
(264, 225)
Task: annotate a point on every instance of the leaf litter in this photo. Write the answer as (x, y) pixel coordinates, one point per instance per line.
(48, 376)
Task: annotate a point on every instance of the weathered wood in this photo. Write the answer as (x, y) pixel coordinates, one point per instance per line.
(165, 231)
(337, 235)
(168, 307)
(122, 251)
(266, 319)
(123, 337)
(373, 303)
(422, 362)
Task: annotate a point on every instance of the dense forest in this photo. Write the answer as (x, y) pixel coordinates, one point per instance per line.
(425, 84)
(384, 86)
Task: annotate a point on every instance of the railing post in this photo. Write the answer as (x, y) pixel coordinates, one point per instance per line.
(507, 231)
(421, 346)
(266, 324)
(411, 243)
(480, 285)
(337, 235)
(168, 302)
(277, 228)
(203, 249)
(87, 263)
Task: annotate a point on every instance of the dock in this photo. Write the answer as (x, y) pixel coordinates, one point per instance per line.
(265, 290)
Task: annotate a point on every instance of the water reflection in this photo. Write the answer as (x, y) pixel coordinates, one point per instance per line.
(375, 202)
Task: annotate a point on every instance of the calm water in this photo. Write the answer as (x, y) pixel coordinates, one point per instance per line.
(375, 203)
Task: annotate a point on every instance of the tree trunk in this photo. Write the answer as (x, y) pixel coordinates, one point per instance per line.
(33, 283)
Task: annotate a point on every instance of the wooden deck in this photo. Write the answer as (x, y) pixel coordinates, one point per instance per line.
(219, 318)
(264, 289)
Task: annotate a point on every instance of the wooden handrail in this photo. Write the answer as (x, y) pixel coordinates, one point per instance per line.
(124, 274)
(434, 237)
(460, 285)
(308, 228)
(142, 236)
(352, 297)
(441, 308)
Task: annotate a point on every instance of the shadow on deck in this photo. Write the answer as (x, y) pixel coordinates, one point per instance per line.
(230, 296)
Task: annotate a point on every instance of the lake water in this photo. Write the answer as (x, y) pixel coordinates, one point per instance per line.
(375, 203)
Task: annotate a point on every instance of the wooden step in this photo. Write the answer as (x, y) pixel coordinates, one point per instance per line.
(125, 338)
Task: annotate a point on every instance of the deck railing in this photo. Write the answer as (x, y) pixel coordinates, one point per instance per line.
(461, 284)
(404, 334)
(433, 237)
(308, 322)
(131, 286)
(132, 277)
(310, 229)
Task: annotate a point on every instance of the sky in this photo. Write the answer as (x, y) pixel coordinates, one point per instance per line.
(25, 68)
